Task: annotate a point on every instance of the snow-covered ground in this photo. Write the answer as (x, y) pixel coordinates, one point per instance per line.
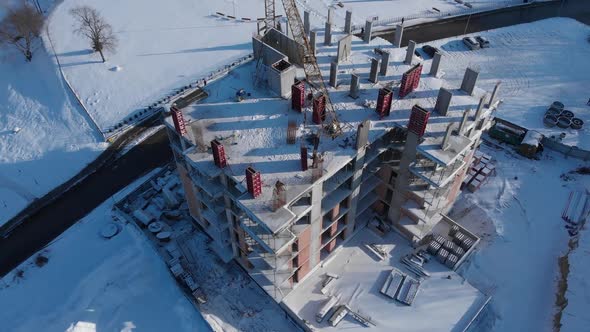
(93, 284)
(54, 139)
(537, 64)
(518, 215)
(169, 44)
(575, 315)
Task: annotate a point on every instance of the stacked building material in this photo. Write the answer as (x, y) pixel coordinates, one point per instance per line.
(392, 284)
(453, 230)
(466, 243)
(481, 168)
(434, 247)
(408, 291)
(442, 255)
(451, 261)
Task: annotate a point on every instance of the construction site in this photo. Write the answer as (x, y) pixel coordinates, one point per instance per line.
(325, 167)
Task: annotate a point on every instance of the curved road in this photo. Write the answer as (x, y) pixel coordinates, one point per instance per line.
(49, 222)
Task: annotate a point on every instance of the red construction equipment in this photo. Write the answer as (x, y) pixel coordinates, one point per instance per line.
(178, 120)
(298, 95)
(410, 80)
(418, 120)
(253, 182)
(319, 109)
(218, 154)
(384, 102)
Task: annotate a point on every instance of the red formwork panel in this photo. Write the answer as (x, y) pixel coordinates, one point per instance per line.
(304, 238)
(253, 182)
(418, 120)
(410, 80)
(319, 109)
(303, 158)
(298, 95)
(384, 102)
(178, 120)
(218, 154)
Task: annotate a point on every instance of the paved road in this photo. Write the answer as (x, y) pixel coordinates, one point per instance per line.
(42, 227)
(577, 9)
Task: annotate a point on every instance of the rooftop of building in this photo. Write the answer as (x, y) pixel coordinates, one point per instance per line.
(254, 131)
(445, 301)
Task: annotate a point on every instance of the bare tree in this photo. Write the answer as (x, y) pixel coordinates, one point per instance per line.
(93, 26)
(20, 27)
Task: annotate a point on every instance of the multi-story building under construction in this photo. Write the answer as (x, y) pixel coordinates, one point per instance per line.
(279, 196)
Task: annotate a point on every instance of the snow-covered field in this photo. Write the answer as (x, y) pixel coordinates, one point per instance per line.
(169, 44)
(54, 140)
(518, 215)
(575, 315)
(537, 64)
(92, 284)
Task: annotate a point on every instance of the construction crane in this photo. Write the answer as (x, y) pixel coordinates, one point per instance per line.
(312, 70)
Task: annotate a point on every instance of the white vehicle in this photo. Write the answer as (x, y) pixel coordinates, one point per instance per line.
(483, 42)
(471, 43)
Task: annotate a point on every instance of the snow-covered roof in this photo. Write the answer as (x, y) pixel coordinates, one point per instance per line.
(254, 131)
(444, 302)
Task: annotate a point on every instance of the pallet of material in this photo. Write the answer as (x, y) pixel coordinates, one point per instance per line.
(338, 315)
(451, 261)
(408, 291)
(442, 255)
(433, 247)
(392, 284)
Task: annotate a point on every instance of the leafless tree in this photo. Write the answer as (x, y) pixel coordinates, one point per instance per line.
(20, 27)
(94, 27)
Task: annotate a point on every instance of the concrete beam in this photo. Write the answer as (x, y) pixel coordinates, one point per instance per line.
(384, 63)
(312, 40)
(368, 28)
(354, 86)
(348, 22)
(435, 64)
(494, 94)
(469, 81)
(328, 34)
(374, 70)
(410, 52)
(334, 74)
(464, 120)
(480, 108)
(397, 37)
(306, 24)
(443, 101)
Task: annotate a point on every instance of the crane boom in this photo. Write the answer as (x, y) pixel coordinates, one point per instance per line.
(310, 66)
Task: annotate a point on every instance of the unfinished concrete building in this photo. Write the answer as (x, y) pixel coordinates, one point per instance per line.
(280, 209)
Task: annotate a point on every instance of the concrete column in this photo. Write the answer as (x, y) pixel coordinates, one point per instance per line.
(384, 63)
(397, 38)
(410, 52)
(403, 175)
(312, 37)
(348, 22)
(374, 69)
(494, 94)
(306, 24)
(464, 121)
(443, 101)
(480, 108)
(435, 64)
(361, 147)
(447, 137)
(354, 86)
(328, 34)
(469, 80)
(334, 74)
(315, 216)
(330, 15)
(368, 28)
